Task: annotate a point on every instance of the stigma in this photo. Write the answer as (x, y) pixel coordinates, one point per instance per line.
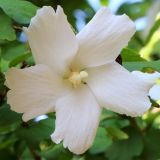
(77, 78)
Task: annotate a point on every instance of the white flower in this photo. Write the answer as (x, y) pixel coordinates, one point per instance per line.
(154, 78)
(75, 75)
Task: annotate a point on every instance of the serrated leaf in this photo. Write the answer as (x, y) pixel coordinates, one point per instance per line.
(19, 10)
(6, 30)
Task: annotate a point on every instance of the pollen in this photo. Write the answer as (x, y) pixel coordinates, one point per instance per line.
(77, 78)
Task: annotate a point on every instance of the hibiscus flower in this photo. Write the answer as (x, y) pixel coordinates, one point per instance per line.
(76, 75)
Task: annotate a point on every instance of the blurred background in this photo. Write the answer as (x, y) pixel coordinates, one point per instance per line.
(119, 137)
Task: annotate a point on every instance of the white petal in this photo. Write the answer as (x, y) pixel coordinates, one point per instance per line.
(118, 90)
(150, 77)
(34, 90)
(103, 38)
(51, 38)
(155, 92)
(77, 119)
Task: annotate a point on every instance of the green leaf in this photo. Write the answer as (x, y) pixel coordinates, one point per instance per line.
(126, 149)
(7, 116)
(117, 133)
(117, 122)
(12, 50)
(2, 80)
(6, 30)
(131, 66)
(52, 152)
(4, 65)
(129, 55)
(152, 139)
(20, 59)
(101, 142)
(134, 10)
(9, 120)
(27, 155)
(7, 141)
(34, 132)
(104, 2)
(156, 122)
(19, 10)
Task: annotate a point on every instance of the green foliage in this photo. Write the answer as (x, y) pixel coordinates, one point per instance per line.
(19, 59)
(151, 145)
(33, 133)
(131, 66)
(129, 55)
(129, 9)
(154, 28)
(6, 30)
(13, 49)
(126, 149)
(19, 10)
(102, 141)
(118, 137)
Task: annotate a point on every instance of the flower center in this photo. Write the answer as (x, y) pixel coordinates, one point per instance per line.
(76, 78)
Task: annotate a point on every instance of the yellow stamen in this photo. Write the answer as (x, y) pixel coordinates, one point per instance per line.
(76, 78)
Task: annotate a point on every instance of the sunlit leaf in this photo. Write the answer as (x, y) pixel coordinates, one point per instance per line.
(117, 133)
(148, 49)
(20, 10)
(131, 66)
(104, 2)
(130, 55)
(6, 30)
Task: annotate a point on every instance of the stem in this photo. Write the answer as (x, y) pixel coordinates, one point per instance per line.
(35, 155)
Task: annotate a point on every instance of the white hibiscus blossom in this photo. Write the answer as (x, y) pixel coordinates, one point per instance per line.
(76, 75)
(154, 78)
